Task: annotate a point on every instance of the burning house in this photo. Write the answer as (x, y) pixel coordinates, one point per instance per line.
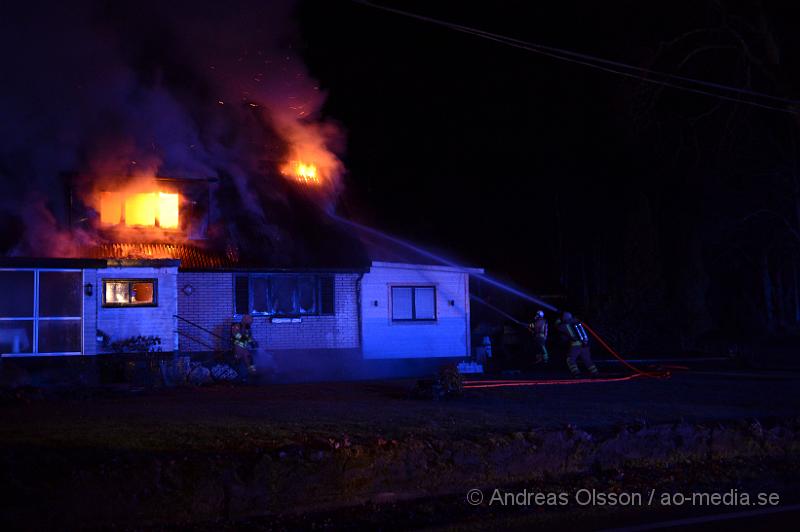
(178, 183)
(166, 272)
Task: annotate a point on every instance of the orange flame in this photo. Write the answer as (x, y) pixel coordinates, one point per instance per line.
(140, 209)
(303, 172)
(310, 161)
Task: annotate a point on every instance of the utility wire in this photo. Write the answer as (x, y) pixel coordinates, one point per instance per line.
(613, 67)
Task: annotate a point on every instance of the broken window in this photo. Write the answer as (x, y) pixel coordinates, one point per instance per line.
(307, 295)
(260, 295)
(129, 293)
(284, 294)
(413, 303)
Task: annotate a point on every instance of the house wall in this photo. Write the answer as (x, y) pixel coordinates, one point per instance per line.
(447, 336)
(210, 305)
(126, 322)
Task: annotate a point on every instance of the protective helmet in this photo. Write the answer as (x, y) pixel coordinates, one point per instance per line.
(566, 316)
(539, 314)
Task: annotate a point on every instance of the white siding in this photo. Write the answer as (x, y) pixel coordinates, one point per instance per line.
(447, 336)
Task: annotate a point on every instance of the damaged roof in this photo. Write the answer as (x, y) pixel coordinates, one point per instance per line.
(190, 257)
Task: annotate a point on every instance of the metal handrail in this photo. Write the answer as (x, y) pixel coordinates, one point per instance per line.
(193, 339)
(193, 324)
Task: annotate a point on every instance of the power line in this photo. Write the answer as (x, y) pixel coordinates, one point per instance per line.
(606, 65)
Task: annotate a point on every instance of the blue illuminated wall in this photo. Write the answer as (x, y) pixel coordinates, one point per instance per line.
(445, 336)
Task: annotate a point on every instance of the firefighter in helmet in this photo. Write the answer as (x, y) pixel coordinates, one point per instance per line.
(538, 328)
(574, 335)
(243, 342)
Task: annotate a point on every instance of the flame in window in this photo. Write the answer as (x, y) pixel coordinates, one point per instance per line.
(140, 209)
(168, 210)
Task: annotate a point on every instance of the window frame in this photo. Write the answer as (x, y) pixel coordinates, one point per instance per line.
(35, 319)
(318, 306)
(130, 281)
(413, 318)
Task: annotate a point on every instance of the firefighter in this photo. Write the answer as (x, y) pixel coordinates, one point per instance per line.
(574, 335)
(243, 342)
(538, 328)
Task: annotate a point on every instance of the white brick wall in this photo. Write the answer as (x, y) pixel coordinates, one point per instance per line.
(210, 305)
(447, 336)
(125, 322)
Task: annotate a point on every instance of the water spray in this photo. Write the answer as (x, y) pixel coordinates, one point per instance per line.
(508, 289)
(483, 277)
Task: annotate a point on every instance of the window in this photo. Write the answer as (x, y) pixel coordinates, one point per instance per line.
(284, 294)
(148, 209)
(129, 293)
(413, 303)
(41, 312)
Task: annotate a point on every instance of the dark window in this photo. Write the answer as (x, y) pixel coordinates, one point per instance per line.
(16, 336)
(307, 295)
(413, 303)
(261, 295)
(129, 293)
(326, 295)
(17, 290)
(54, 324)
(284, 294)
(283, 290)
(59, 294)
(59, 336)
(242, 289)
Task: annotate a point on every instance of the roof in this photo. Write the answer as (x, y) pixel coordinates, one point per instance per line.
(190, 257)
(49, 262)
(195, 258)
(429, 267)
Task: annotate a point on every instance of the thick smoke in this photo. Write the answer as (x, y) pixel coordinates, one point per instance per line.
(96, 94)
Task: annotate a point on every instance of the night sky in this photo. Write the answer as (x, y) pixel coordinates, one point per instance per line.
(466, 144)
(627, 197)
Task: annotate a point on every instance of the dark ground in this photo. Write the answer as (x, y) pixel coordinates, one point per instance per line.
(265, 416)
(72, 432)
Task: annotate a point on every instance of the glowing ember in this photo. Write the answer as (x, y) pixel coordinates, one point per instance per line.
(140, 209)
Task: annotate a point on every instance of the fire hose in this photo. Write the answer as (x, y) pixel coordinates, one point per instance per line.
(636, 371)
(509, 289)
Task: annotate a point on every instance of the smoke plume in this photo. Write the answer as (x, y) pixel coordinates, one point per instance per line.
(97, 94)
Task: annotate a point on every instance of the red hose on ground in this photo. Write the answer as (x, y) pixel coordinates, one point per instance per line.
(654, 374)
(470, 385)
(495, 384)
